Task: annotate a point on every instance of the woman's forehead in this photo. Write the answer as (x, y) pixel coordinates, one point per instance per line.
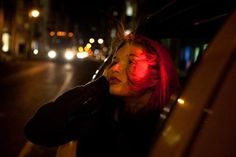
(130, 50)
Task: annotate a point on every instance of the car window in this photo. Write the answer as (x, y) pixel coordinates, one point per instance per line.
(201, 121)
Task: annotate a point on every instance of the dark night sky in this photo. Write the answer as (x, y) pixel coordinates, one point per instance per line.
(85, 10)
(94, 10)
(86, 13)
(89, 13)
(99, 13)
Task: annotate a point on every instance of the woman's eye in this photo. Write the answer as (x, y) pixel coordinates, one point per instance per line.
(113, 63)
(131, 61)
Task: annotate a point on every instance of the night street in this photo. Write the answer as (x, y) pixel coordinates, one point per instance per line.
(168, 88)
(24, 86)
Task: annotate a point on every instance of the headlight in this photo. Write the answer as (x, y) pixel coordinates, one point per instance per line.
(69, 55)
(82, 55)
(52, 54)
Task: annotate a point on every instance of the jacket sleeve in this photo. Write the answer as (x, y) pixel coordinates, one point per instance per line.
(60, 121)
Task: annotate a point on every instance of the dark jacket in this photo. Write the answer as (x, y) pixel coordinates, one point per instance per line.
(86, 114)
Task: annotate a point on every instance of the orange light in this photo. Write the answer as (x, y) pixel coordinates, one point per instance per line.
(52, 33)
(61, 33)
(70, 34)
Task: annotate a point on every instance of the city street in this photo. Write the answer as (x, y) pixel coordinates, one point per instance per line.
(25, 86)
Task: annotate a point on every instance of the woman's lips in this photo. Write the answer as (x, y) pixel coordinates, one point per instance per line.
(114, 80)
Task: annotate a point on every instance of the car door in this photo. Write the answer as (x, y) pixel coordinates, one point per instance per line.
(202, 122)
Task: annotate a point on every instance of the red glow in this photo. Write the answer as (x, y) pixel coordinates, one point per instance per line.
(139, 70)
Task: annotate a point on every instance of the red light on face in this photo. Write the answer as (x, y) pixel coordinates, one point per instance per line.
(139, 70)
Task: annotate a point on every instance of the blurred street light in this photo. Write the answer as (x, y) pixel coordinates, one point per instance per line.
(100, 41)
(5, 42)
(34, 13)
(91, 40)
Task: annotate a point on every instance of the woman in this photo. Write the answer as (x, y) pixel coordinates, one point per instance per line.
(117, 114)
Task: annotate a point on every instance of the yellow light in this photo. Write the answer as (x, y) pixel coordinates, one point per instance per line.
(81, 49)
(86, 49)
(5, 42)
(34, 13)
(91, 40)
(88, 45)
(180, 101)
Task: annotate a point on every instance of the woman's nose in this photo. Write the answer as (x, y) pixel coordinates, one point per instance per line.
(116, 67)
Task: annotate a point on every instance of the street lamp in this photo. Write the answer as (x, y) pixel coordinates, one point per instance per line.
(33, 14)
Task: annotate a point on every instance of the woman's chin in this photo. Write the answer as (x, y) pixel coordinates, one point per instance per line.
(118, 91)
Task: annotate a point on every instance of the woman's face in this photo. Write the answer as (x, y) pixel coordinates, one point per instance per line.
(129, 65)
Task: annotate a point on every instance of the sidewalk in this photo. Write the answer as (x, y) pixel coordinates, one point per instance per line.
(10, 65)
(4, 57)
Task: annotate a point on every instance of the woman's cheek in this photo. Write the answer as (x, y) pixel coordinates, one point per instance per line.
(108, 73)
(138, 72)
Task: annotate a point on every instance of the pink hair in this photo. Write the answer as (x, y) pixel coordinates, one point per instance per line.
(162, 78)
